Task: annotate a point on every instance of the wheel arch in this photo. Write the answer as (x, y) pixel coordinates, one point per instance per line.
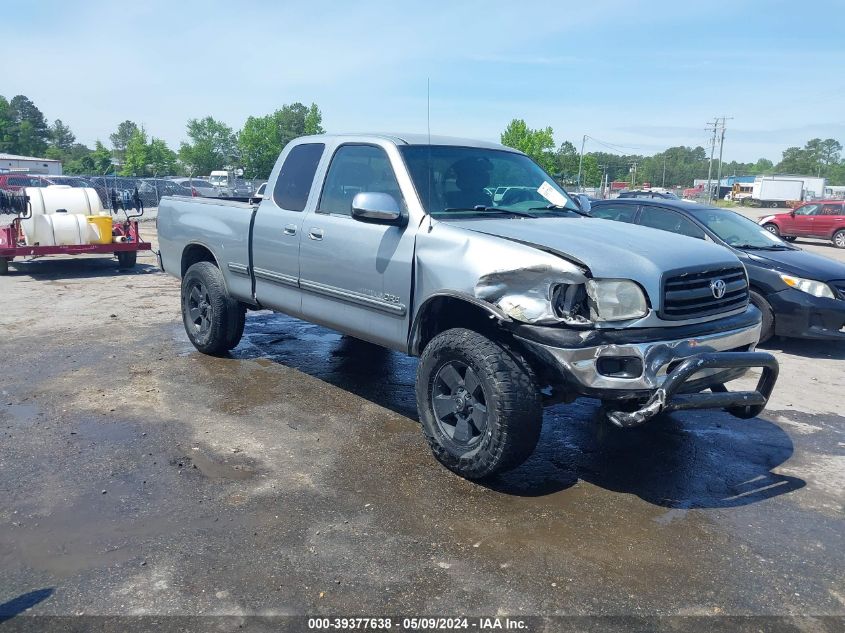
(445, 310)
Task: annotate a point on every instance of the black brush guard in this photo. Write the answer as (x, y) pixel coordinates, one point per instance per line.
(742, 404)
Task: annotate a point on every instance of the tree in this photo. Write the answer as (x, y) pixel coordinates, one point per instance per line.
(7, 126)
(136, 154)
(30, 127)
(567, 162)
(120, 138)
(262, 138)
(212, 146)
(162, 159)
(538, 144)
(61, 137)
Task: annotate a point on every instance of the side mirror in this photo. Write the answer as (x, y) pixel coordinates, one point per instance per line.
(792, 213)
(377, 208)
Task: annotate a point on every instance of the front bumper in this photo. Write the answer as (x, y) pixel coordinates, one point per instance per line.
(802, 315)
(676, 362)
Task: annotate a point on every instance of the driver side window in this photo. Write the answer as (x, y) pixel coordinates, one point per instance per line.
(355, 169)
(807, 209)
(667, 220)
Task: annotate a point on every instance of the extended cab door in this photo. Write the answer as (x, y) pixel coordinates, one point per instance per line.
(278, 228)
(356, 276)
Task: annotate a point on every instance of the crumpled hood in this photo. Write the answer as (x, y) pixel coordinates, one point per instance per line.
(609, 249)
(800, 263)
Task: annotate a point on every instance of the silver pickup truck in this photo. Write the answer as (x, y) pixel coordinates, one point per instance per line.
(468, 255)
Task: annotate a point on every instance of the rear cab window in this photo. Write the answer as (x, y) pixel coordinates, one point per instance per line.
(297, 175)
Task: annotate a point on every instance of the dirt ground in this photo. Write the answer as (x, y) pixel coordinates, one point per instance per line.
(139, 477)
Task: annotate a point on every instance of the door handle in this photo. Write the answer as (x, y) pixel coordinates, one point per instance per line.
(315, 234)
(290, 229)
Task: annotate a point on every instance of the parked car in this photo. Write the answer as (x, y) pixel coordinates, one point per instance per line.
(800, 294)
(16, 182)
(823, 219)
(152, 190)
(395, 240)
(200, 188)
(70, 181)
(660, 195)
(122, 185)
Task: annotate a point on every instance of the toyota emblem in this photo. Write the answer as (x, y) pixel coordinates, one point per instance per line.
(718, 288)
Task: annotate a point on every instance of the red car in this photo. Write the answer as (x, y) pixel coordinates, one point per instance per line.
(824, 219)
(16, 182)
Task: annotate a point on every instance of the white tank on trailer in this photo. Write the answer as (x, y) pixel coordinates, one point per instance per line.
(76, 203)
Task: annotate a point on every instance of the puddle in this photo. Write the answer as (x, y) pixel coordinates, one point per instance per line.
(218, 470)
(22, 415)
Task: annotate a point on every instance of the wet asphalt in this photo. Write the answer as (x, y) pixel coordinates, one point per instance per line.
(138, 476)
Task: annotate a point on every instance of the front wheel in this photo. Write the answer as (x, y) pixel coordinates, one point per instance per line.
(213, 320)
(772, 228)
(767, 328)
(839, 239)
(479, 404)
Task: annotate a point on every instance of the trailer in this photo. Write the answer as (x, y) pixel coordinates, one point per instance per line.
(773, 191)
(125, 240)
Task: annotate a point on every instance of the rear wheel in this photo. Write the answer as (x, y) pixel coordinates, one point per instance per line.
(4, 266)
(479, 404)
(127, 259)
(213, 320)
(839, 238)
(767, 328)
(773, 205)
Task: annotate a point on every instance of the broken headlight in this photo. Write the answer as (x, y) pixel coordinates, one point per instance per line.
(615, 300)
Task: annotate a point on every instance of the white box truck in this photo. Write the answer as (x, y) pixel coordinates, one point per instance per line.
(773, 191)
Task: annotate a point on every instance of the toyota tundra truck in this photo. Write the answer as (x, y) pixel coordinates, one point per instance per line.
(510, 303)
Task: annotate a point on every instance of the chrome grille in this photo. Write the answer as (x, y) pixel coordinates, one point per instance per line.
(690, 295)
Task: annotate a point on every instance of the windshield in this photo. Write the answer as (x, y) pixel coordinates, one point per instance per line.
(737, 230)
(456, 182)
(219, 180)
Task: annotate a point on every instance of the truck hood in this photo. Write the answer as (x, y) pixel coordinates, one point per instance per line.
(609, 249)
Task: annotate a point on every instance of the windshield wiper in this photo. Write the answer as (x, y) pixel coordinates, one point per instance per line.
(481, 207)
(772, 247)
(557, 207)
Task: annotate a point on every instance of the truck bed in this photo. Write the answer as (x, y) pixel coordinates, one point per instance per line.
(220, 225)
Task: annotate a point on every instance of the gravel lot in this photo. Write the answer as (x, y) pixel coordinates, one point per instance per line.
(139, 477)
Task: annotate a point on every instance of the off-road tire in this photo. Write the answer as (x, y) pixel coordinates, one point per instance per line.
(767, 329)
(513, 401)
(126, 259)
(225, 316)
(839, 238)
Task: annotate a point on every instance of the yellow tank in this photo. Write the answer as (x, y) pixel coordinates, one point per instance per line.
(102, 225)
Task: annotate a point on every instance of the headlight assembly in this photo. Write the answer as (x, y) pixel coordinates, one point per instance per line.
(810, 286)
(615, 300)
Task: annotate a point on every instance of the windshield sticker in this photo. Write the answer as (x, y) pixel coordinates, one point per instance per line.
(551, 194)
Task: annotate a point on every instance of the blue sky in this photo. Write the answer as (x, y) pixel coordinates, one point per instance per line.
(640, 75)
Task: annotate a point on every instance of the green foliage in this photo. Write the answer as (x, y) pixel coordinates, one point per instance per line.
(538, 144)
(61, 138)
(29, 127)
(7, 126)
(262, 138)
(818, 158)
(161, 159)
(212, 146)
(120, 138)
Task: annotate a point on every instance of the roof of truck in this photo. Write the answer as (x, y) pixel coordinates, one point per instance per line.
(418, 139)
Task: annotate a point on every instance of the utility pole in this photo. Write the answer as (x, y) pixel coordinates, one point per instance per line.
(710, 164)
(581, 162)
(664, 171)
(721, 146)
(633, 173)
